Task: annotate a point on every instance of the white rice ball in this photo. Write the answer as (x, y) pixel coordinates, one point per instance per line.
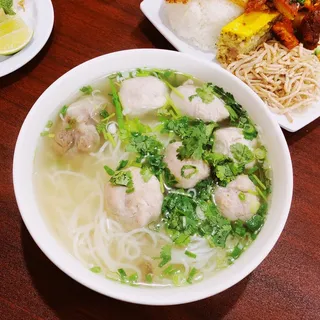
(199, 22)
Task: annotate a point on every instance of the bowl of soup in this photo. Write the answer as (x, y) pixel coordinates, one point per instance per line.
(152, 177)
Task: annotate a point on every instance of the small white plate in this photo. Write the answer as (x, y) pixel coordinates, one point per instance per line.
(152, 9)
(39, 16)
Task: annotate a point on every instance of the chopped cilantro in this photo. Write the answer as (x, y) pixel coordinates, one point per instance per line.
(165, 255)
(238, 228)
(181, 220)
(238, 116)
(123, 178)
(196, 136)
(86, 90)
(205, 93)
(241, 153)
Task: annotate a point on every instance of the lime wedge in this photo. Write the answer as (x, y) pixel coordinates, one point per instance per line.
(14, 35)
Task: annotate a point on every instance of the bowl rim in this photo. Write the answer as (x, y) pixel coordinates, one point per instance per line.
(117, 290)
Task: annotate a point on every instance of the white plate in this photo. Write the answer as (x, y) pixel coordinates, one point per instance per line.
(152, 9)
(39, 16)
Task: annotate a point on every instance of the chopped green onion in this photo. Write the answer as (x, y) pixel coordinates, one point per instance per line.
(95, 269)
(242, 196)
(122, 164)
(108, 136)
(170, 271)
(117, 104)
(122, 274)
(259, 182)
(49, 124)
(63, 110)
(104, 114)
(108, 118)
(191, 275)
(133, 278)
(109, 171)
(254, 223)
(235, 254)
(190, 174)
(260, 153)
(263, 196)
(190, 254)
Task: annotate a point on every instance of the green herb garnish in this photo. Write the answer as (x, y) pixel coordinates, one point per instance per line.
(87, 90)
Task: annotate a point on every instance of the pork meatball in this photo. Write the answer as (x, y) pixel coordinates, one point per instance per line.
(142, 95)
(226, 137)
(195, 107)
(233, 206)
(187, 172)
(86, 109)
(87, 138)
(139, 208)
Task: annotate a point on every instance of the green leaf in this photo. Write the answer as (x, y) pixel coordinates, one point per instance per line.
(123, 178)
(205, 93)
(165, 255)
(242, 153)
(87, 90)
(192, 133)
(238, 228)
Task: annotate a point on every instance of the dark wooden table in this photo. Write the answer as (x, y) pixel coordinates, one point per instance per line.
(285, 286)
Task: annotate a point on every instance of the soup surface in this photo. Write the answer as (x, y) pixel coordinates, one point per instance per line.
(152, 177)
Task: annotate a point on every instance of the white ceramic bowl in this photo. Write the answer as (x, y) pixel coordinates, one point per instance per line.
(85, 74)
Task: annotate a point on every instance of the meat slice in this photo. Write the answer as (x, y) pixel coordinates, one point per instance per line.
(285, 33)
(309, 29)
